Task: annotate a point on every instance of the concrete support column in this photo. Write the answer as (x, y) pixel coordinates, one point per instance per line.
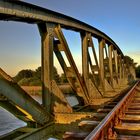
(101, 63)
(125, 71)
(85, 64)
(120, 64)
(122, 68)
(110, 64)
(47, 40)
(116, 63)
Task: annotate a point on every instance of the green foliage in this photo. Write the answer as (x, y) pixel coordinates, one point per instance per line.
(33, 78)
(128, 60)
(35, 82)
(56, 76)
(24, 82)
(138, 71)
(29, 77)
(63, 78)
(23, 74)
(37, 73)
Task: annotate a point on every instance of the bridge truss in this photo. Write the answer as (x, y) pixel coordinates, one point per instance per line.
(109, 73)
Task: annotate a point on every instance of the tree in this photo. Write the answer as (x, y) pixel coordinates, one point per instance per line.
(138, 71)
(23, 74)
(37, 73)
(63, 78)
(30, 77)
(128, 60)
(56, 76)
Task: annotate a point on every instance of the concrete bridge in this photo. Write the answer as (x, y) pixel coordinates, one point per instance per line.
(109, 72)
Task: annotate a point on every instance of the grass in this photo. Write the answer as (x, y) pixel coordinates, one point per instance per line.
(33, 90)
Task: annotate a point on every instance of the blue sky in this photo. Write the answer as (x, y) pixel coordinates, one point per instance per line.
(119, 19)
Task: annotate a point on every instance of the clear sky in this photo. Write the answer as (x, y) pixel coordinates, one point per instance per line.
(119, 19)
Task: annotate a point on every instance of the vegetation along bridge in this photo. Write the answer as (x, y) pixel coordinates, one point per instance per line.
(108, 107)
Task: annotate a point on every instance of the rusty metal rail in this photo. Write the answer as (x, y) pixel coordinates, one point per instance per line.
(105, 130)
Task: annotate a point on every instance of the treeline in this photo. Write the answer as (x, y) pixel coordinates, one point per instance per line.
(138, 71)
(33, 77)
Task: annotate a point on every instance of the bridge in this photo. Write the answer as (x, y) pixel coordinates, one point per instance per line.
(104, 80)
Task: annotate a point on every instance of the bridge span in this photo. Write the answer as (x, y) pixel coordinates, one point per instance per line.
(103, 78)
